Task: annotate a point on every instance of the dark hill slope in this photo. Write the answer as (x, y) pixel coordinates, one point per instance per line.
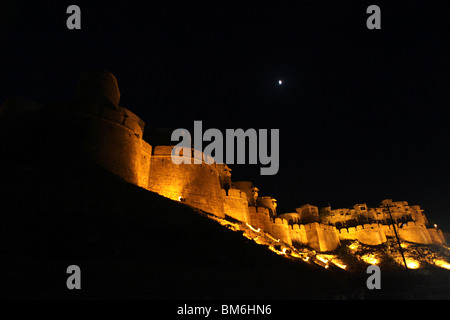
(130, 243)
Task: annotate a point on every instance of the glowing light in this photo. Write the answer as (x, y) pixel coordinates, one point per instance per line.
(276, 245)
(277, 251)
(354, 246)
(334, 260)
(435, 225)
(369, 258)
(339, 264)
(251, 227)
(280, 82)
(442, 264)
(322, 258)
(299, 255)
(412, 264)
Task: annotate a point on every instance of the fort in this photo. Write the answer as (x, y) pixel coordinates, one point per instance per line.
(94, 127)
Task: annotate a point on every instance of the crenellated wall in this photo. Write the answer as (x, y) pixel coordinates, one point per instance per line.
(318, 236)
(260, 218)
(413, 232)
(371, 234)
(298, 234)
(280, 230)
(322, 237)
(235, 205)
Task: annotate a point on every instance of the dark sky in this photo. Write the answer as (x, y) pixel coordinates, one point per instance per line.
(363, 114)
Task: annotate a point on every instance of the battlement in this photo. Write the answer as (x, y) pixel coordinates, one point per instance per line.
(297, 227)
(259, 217)
(413, 224)
(280, 221)
(369, 233)
(236, 193)
(262, 210)
(359, 227)
(236, 205)
(317, 225)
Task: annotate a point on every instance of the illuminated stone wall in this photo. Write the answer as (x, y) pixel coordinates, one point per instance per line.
(144, 170)
(371, 234)
(114, 142)
(99, 130)
(235, 205)
(280, 230)
(437, 236)
(260, 218)
(413, 232)
(91, 133)
(318, 236)
(298, 234)
(194, 184)
(322, 237)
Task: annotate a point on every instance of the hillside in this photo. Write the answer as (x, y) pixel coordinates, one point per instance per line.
(132, 243)
(129, 243)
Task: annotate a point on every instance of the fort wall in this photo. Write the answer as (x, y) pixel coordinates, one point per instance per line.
(260, 218)
(235, 205)
(413, 232)
(370, 234)
(90, 133)
(416, 232)
(144, 171)
(318, 236)
(93, 128)
(322, 237)
(388, 231)
(280, 230)
(436, 235)
(298, 234)
(195, 184)
(114, 142)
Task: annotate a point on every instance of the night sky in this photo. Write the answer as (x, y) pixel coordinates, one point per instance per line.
(363, 114)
